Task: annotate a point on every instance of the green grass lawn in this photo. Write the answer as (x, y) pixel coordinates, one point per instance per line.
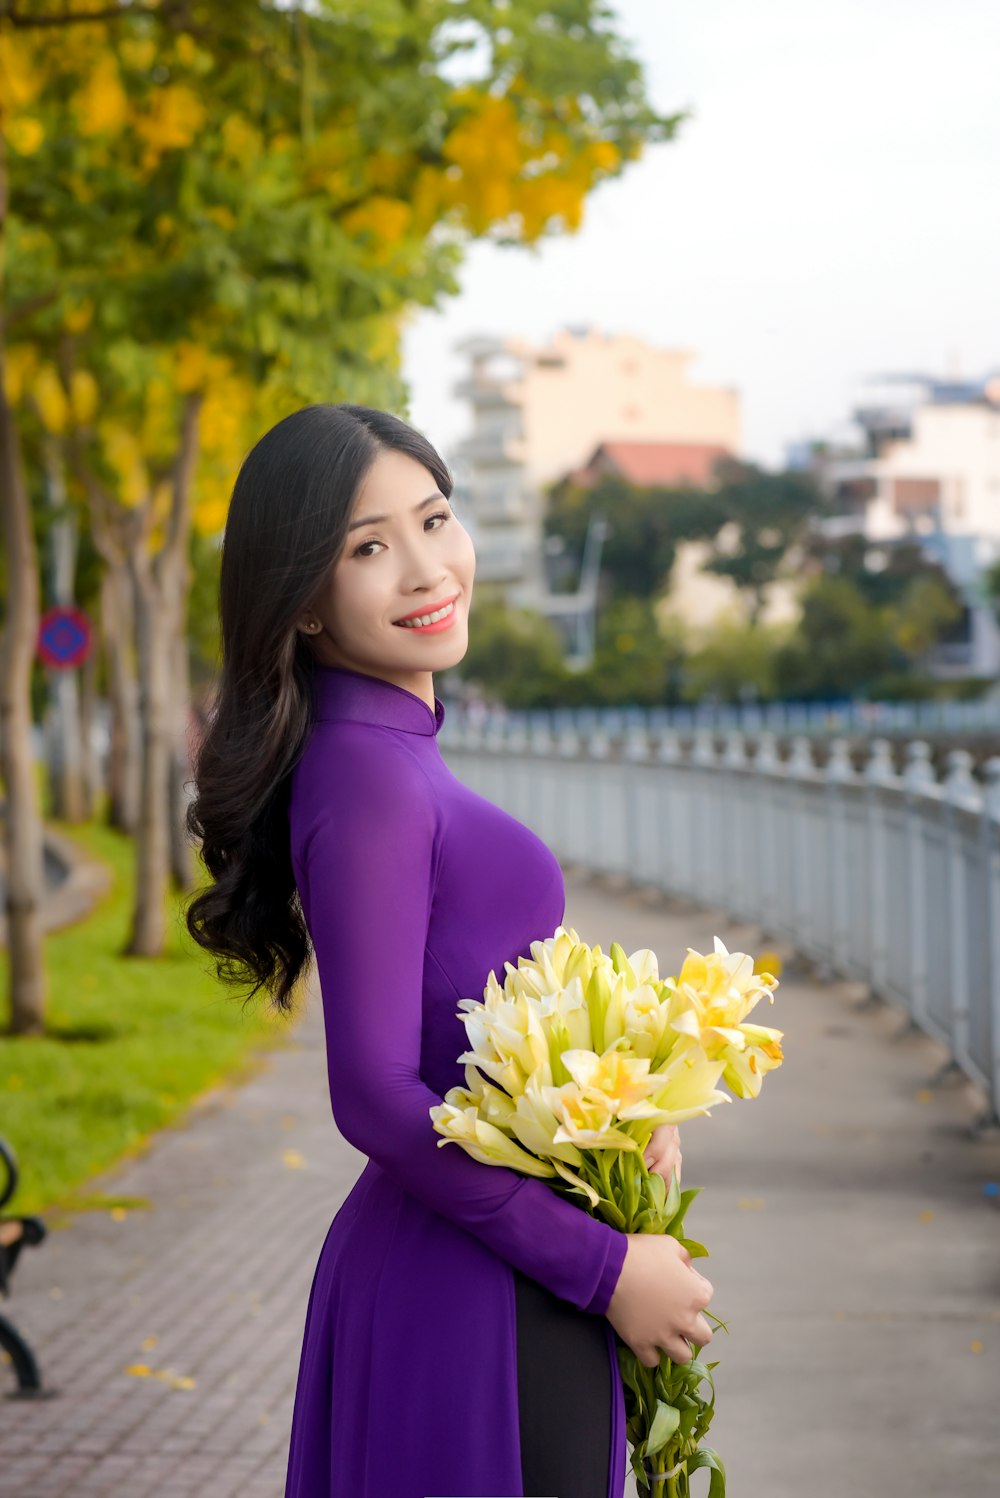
(131, 1041)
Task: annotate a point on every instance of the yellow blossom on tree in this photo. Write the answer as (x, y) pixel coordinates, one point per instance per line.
(83, 397)
(385, 219)
(25, 134)
(186, 50)
(102, 105)
(124, 455)
(79, 317)
(20, 365)
(20, 81)
(175, 116)
(241, 141)
(138, 52)
(50, 399)
(194, 366)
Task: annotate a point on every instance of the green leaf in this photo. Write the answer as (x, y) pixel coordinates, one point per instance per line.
(677, 1218)
(665, 1423)
(673, 1202)
(699, 1370)
(611, 1212)
(706, 1457)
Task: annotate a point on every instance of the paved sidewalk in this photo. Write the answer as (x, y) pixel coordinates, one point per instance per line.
(854, 1257)
(217, 1272)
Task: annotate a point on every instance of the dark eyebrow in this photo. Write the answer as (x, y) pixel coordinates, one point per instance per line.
(377, 519)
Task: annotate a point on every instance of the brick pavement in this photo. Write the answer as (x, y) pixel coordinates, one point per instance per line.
(853, 1254)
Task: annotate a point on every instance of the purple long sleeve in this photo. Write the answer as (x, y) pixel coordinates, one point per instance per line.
(413, 888)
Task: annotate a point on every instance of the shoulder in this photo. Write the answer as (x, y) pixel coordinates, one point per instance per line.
(359, 775)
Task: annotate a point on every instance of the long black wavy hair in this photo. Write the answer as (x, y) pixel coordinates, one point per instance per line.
(287, 525)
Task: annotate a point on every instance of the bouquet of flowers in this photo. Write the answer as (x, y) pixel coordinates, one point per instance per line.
(573, 1062)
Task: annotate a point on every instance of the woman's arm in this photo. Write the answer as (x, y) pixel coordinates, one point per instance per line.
(366, 871)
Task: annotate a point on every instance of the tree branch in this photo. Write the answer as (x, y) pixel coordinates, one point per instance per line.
(24, 310)
(72, 17)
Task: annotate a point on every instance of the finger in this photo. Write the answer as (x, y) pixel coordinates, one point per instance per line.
(703, 1333)
(679, 1349)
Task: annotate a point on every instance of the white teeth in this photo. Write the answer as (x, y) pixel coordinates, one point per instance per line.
(427, 618)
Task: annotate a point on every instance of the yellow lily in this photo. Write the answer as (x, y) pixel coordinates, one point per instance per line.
(457, 1118)
(586, 1119)
(536, 1126)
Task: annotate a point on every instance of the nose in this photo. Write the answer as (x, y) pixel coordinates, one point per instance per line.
(424, 573)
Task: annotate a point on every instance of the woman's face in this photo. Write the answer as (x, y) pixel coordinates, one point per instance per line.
(406, 553)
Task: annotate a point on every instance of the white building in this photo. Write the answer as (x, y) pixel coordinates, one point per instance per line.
(926, 466)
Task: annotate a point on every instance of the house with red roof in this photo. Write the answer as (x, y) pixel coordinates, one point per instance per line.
(653, 465)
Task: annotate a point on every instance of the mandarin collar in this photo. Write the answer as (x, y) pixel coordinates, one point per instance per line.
(339, 692)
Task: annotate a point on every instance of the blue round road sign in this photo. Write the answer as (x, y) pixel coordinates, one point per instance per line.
(64, 637)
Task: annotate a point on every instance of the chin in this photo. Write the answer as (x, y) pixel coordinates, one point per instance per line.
(458, 654)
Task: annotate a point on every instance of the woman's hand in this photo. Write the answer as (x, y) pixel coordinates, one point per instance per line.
(663, 1152)
(658, 1300)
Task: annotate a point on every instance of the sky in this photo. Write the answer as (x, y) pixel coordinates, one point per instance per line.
(828, 213)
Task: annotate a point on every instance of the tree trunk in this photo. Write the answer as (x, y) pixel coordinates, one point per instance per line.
(125, 729)
(159, 587)
(92, 781)
(22, 821)
(152, 832)
(182, 860)
(65, 747)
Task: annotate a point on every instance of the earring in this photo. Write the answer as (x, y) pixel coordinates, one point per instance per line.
(313, 626)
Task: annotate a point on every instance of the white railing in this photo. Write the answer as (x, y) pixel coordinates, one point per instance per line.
(891, 878)
(942, 719)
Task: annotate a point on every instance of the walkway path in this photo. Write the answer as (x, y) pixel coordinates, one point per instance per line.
(854, 1256)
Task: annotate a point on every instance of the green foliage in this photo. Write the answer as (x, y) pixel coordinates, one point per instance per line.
(753, 517)
(512, 654)
(277, 182)
(927, 609)
(841, 647)
(766, 514)
(734, 660)
(129, 1044)
(517, 656)
(636, 660)
(644, 528)
(882, 574)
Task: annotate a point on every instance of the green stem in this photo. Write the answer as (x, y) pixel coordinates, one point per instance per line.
(604, 1174)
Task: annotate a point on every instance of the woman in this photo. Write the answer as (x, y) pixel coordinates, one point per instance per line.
(458, 1339)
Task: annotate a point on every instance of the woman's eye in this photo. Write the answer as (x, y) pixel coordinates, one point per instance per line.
(438, 515)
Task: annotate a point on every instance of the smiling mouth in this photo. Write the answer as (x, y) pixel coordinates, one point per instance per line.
(418, 621)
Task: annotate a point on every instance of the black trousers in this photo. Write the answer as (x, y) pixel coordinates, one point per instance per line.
(564, 1393)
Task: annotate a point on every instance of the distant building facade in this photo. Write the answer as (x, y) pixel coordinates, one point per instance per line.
(538, 413)
(923, 464)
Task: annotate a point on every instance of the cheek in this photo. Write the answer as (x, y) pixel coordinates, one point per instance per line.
(349, 600)
(462, 553)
